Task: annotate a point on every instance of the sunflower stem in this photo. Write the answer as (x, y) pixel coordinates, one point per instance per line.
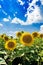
(9, 63)
(39, 62)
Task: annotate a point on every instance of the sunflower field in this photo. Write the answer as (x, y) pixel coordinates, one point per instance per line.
(24, 49)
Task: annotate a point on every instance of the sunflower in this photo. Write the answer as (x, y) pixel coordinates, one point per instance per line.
(26, 39)
(18, 34)
(6, 38)
(35, 34)
(10, 44)
(2, 36)
(41, 35)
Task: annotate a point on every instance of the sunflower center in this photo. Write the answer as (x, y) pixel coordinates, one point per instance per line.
(19, 34)
(11, 44)
(6, 38)
(27, 39)
(1, 35)
(41, 35)
(35, 34)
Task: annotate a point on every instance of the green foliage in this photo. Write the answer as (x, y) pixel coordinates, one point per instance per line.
(2, 61)
(2, 44)
(32, 53)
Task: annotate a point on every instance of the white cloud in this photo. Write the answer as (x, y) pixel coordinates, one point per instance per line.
(17, 20)
(9, 17)
(5, 19)
(0, 6)
(33, 3)
(33, 17)
(1, 25)
(21, 2)
(41, 2)
(12, 33)
(14, 14)
(41, 29)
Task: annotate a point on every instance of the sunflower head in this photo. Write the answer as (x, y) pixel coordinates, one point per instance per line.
(6, 38)
(19, 34)
(35, 34)
(41, 35)
(10, 45)
(26, 39)
(2, 36)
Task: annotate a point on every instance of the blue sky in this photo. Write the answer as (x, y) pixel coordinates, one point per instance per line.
(18, 15)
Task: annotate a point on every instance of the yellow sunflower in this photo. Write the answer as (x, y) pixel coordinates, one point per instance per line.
(35, 34)
(10, 44)
(18, 34)
(2, 36)
(26, 39)
(6, 38)
(41, 35)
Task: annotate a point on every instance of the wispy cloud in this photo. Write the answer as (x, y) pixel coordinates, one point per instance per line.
(21, 2)
(41, 2)
(1, 0)
(12, 33)
(0, 6)
(4, 12)
(18, 21)
(41, 29)
(5, 19)
(1, 25)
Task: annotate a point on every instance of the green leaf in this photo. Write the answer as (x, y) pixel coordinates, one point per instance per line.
(2, 61)
(2, 52)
